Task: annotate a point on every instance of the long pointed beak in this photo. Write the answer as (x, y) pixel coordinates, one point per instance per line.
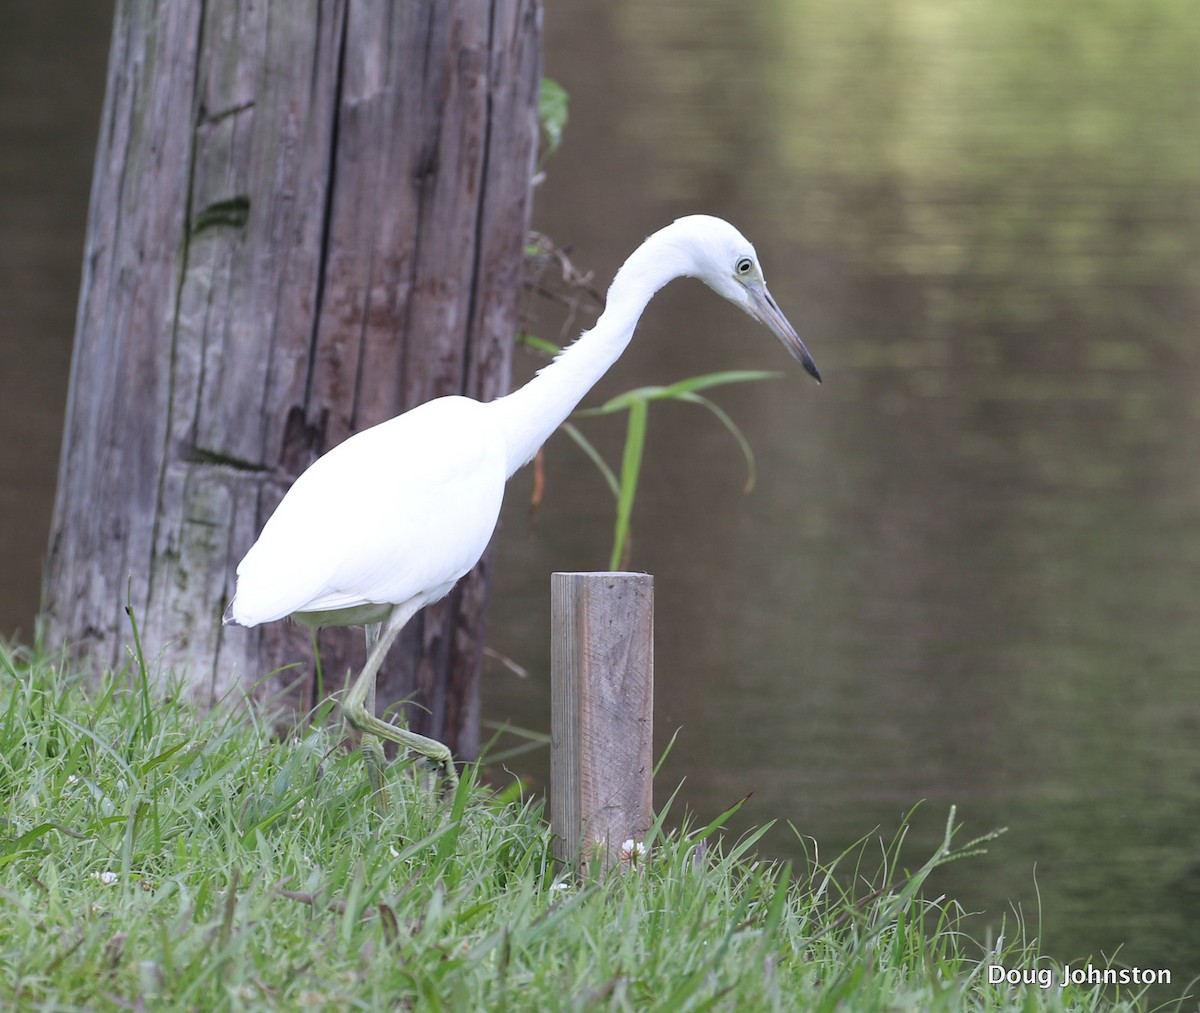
(765, 310)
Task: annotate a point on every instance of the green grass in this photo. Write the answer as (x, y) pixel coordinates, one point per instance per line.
(160, 859)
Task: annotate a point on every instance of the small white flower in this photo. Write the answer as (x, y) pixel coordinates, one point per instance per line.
(633, 852)
(106, 877)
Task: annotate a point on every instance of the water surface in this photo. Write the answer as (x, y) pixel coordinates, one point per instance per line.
(970, 570)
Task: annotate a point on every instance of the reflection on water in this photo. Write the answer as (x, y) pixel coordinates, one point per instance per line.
(969, 571)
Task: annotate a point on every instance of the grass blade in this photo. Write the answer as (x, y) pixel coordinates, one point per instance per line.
(735, 432)
(601, 465)
(631, 466)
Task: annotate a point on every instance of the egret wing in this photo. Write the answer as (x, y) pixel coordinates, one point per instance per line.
(404, 508)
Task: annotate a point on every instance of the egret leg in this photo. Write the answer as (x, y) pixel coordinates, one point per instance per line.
(355, 708)
(369, 745)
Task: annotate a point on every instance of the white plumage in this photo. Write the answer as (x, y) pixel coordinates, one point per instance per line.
(401, 509)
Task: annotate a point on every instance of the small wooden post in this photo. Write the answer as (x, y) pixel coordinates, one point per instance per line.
(602, 707)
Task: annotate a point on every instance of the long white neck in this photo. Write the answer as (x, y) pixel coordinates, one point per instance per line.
(529, 415)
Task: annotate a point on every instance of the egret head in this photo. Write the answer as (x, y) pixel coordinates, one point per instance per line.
(726, 262)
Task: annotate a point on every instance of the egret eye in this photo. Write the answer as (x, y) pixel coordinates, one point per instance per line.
(744, 265)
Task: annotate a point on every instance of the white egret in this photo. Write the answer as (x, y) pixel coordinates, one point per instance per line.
(388, 521)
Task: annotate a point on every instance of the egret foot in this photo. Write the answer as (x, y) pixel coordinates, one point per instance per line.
(376, 763)
(373, 729)
(363, 718)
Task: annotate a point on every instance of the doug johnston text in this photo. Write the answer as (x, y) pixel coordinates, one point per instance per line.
(1044, 977)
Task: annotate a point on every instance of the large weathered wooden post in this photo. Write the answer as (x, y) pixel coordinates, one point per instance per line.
(601, 712)
(306, 217)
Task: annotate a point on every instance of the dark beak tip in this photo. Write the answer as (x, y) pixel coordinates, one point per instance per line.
(810, 367)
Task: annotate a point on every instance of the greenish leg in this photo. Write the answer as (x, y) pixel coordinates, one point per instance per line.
(369, 745)
(359, 708)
